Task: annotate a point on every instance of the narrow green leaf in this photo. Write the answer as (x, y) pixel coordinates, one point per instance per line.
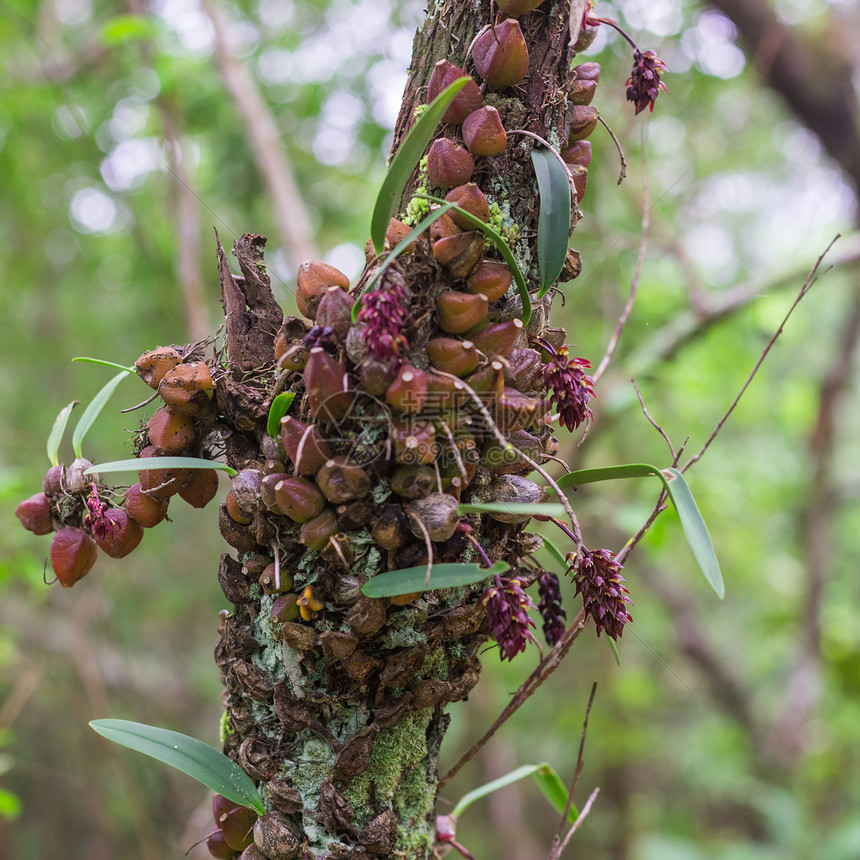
(555, 552)
(93, 410)
(56, 434)
(135, 464)
(554, 790)
(553, 217)
(278, 410)
(488, 788)
(194, 758)
(608, 473)
(544, 775)
(614, 648)
(507, 255)
(694, 526)
(541, 509)
(404, 162)
(413, 579)
(102, 361)
(399, 248)
(695, 530)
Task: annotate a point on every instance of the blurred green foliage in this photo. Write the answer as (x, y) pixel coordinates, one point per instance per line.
(739, 194)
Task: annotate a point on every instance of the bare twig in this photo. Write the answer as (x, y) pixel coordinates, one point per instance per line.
(659, 507)
(585, 810)
(461, 467)
(577, 772)
(545, 668)
(634, 283)
(710, 309)
(654, 424)
(623, 174)
(270, 156)
(811, 279)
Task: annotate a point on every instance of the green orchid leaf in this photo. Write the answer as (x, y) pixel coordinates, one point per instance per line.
(554, 790)
(194, 758)
(104, 363)
(694, 526)
(414, 579)
(507, 255)
(540, 509)
(695, 529)
(608, 473)
(398, 249)
(544, 775)
(405, 160)
(93, 410)
(553, 217)
(135, 464)
(56, 434)
(278, 410)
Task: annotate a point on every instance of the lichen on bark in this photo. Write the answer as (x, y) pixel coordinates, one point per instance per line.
(335, 701)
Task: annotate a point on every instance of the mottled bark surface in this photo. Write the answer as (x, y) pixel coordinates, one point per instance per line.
(539, 104)
(340, 715)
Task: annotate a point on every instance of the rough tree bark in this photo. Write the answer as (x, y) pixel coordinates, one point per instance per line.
(342, 718)
(434, 395)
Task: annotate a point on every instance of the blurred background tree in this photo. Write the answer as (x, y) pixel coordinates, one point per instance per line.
(731, 730)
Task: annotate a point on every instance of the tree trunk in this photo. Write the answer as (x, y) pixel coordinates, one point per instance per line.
(340, 712)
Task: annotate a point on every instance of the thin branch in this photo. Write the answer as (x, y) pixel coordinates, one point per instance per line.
(623, 174)
(270, 155)
(544, 669)
(654, 424)
(478, 548)
(634, 283)
(585, 810)
(688, 326)
(659, 507)
(576, 775)
(827, 105)
(811, 279)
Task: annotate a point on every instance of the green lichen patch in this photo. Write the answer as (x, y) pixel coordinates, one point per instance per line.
(397, 750)
(269, 657)
(436, 664)
(414, 804)
(265, 719)
(314, 764)
(381, 492)
(408, 616)
(404, 637)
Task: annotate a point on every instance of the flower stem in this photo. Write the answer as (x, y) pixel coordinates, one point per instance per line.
(615, 26)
